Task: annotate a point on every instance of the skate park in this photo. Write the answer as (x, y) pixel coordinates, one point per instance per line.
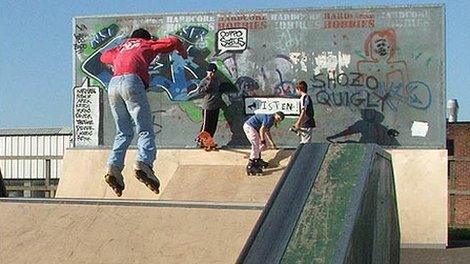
(211, 212)
(357, 189)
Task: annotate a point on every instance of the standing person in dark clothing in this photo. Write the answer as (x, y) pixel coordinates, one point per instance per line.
(130, 107)
(212, 100)
(306, 121)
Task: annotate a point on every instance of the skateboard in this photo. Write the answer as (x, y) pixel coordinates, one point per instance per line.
(206, 141)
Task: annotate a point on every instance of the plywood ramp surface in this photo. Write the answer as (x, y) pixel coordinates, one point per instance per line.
(68, 233)
(185, 175)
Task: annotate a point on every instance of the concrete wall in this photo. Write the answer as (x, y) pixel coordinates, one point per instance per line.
(421, 186)
(369, 70)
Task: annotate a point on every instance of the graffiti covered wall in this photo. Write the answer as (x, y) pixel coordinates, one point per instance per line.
(374, 74)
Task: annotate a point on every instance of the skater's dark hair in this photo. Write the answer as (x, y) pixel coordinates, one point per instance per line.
(212, 67)
(302, 86)
(141, 33)
(280, 114)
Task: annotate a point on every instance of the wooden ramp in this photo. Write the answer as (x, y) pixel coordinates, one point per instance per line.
(193, 175)
(320, 204)
(84, 231)
(204, 214)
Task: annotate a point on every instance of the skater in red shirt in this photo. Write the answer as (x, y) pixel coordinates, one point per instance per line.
(130, 107)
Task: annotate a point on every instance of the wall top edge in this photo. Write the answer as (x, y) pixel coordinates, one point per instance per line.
(437, 5)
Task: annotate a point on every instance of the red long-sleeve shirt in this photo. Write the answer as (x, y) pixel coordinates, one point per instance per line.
(136, 54)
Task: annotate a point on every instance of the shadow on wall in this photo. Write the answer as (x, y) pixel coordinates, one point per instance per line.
(235, 116)
(371, 129)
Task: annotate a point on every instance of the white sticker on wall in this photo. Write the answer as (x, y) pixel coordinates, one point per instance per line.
(419, 129)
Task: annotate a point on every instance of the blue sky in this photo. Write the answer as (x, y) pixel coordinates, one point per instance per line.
(36, 49)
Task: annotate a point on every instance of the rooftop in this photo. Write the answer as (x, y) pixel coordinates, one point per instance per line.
(35, 131)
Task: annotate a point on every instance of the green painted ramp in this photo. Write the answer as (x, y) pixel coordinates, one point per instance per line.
(349, 215)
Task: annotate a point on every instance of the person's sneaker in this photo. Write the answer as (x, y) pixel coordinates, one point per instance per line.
(114, 179)
(144, 173)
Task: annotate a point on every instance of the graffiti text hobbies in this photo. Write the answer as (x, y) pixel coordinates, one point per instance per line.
(345, 89)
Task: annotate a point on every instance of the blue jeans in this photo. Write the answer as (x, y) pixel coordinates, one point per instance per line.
(131, 110)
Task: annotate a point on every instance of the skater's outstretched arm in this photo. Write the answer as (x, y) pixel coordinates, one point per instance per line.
(108, 56)
(169, 44)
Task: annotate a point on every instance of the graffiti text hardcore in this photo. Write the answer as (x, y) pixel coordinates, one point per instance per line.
(348, 20)
(251, 21)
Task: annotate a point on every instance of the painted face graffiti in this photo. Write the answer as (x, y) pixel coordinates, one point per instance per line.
(392, 75)
(381, 47)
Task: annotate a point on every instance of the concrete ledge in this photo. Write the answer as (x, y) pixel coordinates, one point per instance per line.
(421, 185)
(144, 203)
(424, 246)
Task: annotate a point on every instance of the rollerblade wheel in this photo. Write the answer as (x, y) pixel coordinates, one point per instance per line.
(111, 181)
(152, 185)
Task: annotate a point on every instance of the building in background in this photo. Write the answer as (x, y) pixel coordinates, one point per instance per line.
(458, 146)
(3, 191)
(31, 160)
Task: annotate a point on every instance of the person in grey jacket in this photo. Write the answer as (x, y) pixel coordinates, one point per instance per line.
(212, 101)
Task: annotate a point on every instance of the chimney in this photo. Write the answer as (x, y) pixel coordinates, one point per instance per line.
(452, 110)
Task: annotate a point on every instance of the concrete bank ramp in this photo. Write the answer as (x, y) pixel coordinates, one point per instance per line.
(328, 204)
